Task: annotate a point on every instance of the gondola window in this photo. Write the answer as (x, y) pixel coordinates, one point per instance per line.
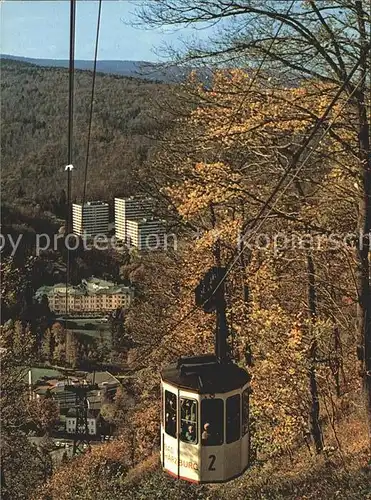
(212, 422)
(188, 420)
(233, 418)
(170, 413)
(245, 411)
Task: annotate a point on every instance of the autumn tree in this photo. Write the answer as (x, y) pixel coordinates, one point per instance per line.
(23, 466)
(327, 42)
(59, 336)
(117, 414)
(73, 349)
(105, 472)
(44, 413)
(47, 345)
(259, 127)
(16, 288)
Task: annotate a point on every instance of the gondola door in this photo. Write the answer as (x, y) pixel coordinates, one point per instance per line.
(189, 437)
(169, 430)
(212, 438)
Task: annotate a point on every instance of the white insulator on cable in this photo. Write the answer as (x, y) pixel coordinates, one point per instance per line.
(69, 167)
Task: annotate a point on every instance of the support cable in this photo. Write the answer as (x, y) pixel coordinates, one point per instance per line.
(296, 157)
(91, 111)
(217, 155)
(274, 193)
(70, 137)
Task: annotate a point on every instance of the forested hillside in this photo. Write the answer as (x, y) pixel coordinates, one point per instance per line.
(292, 299)
(271, 182)
(34, 111)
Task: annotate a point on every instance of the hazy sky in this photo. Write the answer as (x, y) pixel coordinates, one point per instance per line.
(41, 29)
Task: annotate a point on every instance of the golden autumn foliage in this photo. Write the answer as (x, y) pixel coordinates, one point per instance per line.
(218, 168)
(243, 134)
(334, 474)
(81, 477)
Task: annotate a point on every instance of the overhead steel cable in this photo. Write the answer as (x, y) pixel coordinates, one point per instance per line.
(231, 122)
(268, 202)
(70, 136)
(286, 174)
(91, 110)
(296, 157)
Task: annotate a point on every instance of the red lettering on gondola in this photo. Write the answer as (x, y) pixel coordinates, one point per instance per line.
(182, 463)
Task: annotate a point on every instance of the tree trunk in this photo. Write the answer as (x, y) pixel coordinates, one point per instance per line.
(337, 362)
(364, 217)
(312, 309)
(363, 268)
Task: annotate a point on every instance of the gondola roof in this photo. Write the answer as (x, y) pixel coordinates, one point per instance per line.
(205, 375)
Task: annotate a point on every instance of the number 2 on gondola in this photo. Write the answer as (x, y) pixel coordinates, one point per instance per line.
(212, 462)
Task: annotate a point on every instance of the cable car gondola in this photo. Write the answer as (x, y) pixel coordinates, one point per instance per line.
(205, 404)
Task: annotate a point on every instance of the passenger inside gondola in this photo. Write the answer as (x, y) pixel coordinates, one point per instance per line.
(206, 436)
(170, 415)
(188, 420)
(210, 437)
(170, 425)
(190, 435)
(212, 422)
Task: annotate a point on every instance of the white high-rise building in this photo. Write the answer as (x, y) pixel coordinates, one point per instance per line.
(92, 219)
(145, 234)
(130, 209)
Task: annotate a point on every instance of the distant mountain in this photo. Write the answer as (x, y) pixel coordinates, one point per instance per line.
(134, 69)
(128, 117)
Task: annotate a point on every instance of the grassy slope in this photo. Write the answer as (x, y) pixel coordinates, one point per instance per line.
(338, 474)
(344, 474)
